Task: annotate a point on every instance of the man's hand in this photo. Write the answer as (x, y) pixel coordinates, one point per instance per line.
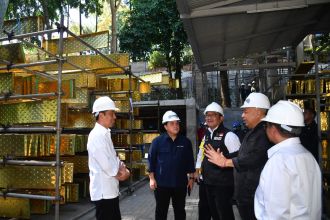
(190, 184)
(215, 157)
(153, 184)
(123, 172)
(197, 174)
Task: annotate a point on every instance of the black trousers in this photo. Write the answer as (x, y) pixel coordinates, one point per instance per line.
(246, 211)
(108, 209)
(203, 206)
(163, 196)
(220, 202)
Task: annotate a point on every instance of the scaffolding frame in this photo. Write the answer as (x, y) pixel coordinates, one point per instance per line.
(59, 59)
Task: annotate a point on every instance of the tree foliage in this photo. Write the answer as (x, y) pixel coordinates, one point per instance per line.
(154, 25)
(49, 9)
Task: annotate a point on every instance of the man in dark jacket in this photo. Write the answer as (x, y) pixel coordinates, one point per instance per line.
(252, 154)
(219, 182)
(309, 137)
(171, 168)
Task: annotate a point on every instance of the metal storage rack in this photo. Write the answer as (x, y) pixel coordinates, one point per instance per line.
(59, 60)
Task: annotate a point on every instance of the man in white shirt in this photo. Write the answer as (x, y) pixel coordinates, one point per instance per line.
(105, 168)
(290, 183)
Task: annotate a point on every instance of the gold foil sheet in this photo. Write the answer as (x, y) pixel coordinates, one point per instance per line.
(123, 155)
(80, 163)
(80, 119)
(89, 62)
(136, 155)
(66, 146)
(15, 208)
(6, 82)
(324, 116)
(124, 140)
(81, 143)
(136, 124)
(72, 45)
(31, 177)
(32, 112)
(325, 152)
(81, 98)
(148, 138)
(67, 88)
(299, 86)
(72, 192)
(39, 206)
(38, 145)
(123, 106)
(289, 87)
(126, 82)
(144, 87)
(12, 52)
(67, 175)
(26, 25)
(85, 80)
(115, 85)
(310, 86)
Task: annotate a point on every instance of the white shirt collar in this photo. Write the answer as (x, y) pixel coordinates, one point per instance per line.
(101, 128)
(283, 144)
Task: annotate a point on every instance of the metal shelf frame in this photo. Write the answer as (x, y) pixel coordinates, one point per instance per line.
(59, 59)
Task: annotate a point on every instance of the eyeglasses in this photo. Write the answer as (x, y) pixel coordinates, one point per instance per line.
(211, 115)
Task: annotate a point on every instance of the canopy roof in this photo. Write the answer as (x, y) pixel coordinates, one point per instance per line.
(223, 29)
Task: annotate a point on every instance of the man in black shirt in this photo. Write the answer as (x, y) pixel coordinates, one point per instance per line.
(309, 137)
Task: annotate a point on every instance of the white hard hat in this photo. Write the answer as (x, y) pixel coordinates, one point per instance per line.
(170, 116)
(104, 103)
(214, 107)
(256, 100)
(285, 113)
(242, 84)
(249, 84)
(253, 82)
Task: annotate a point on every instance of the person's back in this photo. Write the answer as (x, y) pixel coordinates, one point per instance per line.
(309, 134)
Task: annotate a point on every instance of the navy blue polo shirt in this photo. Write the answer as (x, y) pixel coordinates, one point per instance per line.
(171, 161)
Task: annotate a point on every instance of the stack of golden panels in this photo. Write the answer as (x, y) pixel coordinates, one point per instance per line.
(72, 192)
(324, 121)
(33, 177)
(136, 124)
(33, 112)
(148, 138)
(15, 208)
(80, 163)
(39, 206)
(38, 145)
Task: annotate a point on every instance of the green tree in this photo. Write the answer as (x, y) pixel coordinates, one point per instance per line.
(155, 25)
(49, 9)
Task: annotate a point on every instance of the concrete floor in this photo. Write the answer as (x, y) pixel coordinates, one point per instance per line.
(140, 205)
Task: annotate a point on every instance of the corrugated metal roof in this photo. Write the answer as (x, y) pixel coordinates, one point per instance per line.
(220, 30)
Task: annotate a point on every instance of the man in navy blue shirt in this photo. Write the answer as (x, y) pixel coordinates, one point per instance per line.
(171, 168)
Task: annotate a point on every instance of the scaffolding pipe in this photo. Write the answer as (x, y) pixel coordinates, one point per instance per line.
(20, 66)
(58, 122)
(33, 71)
(96, 50)
(54, 55)
(29, 96)
(28, 196)
(29, 162)
(12, 36)
(27, 130)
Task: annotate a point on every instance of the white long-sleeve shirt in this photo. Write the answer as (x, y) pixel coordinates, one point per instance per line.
(289, 185)
(103, 164)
